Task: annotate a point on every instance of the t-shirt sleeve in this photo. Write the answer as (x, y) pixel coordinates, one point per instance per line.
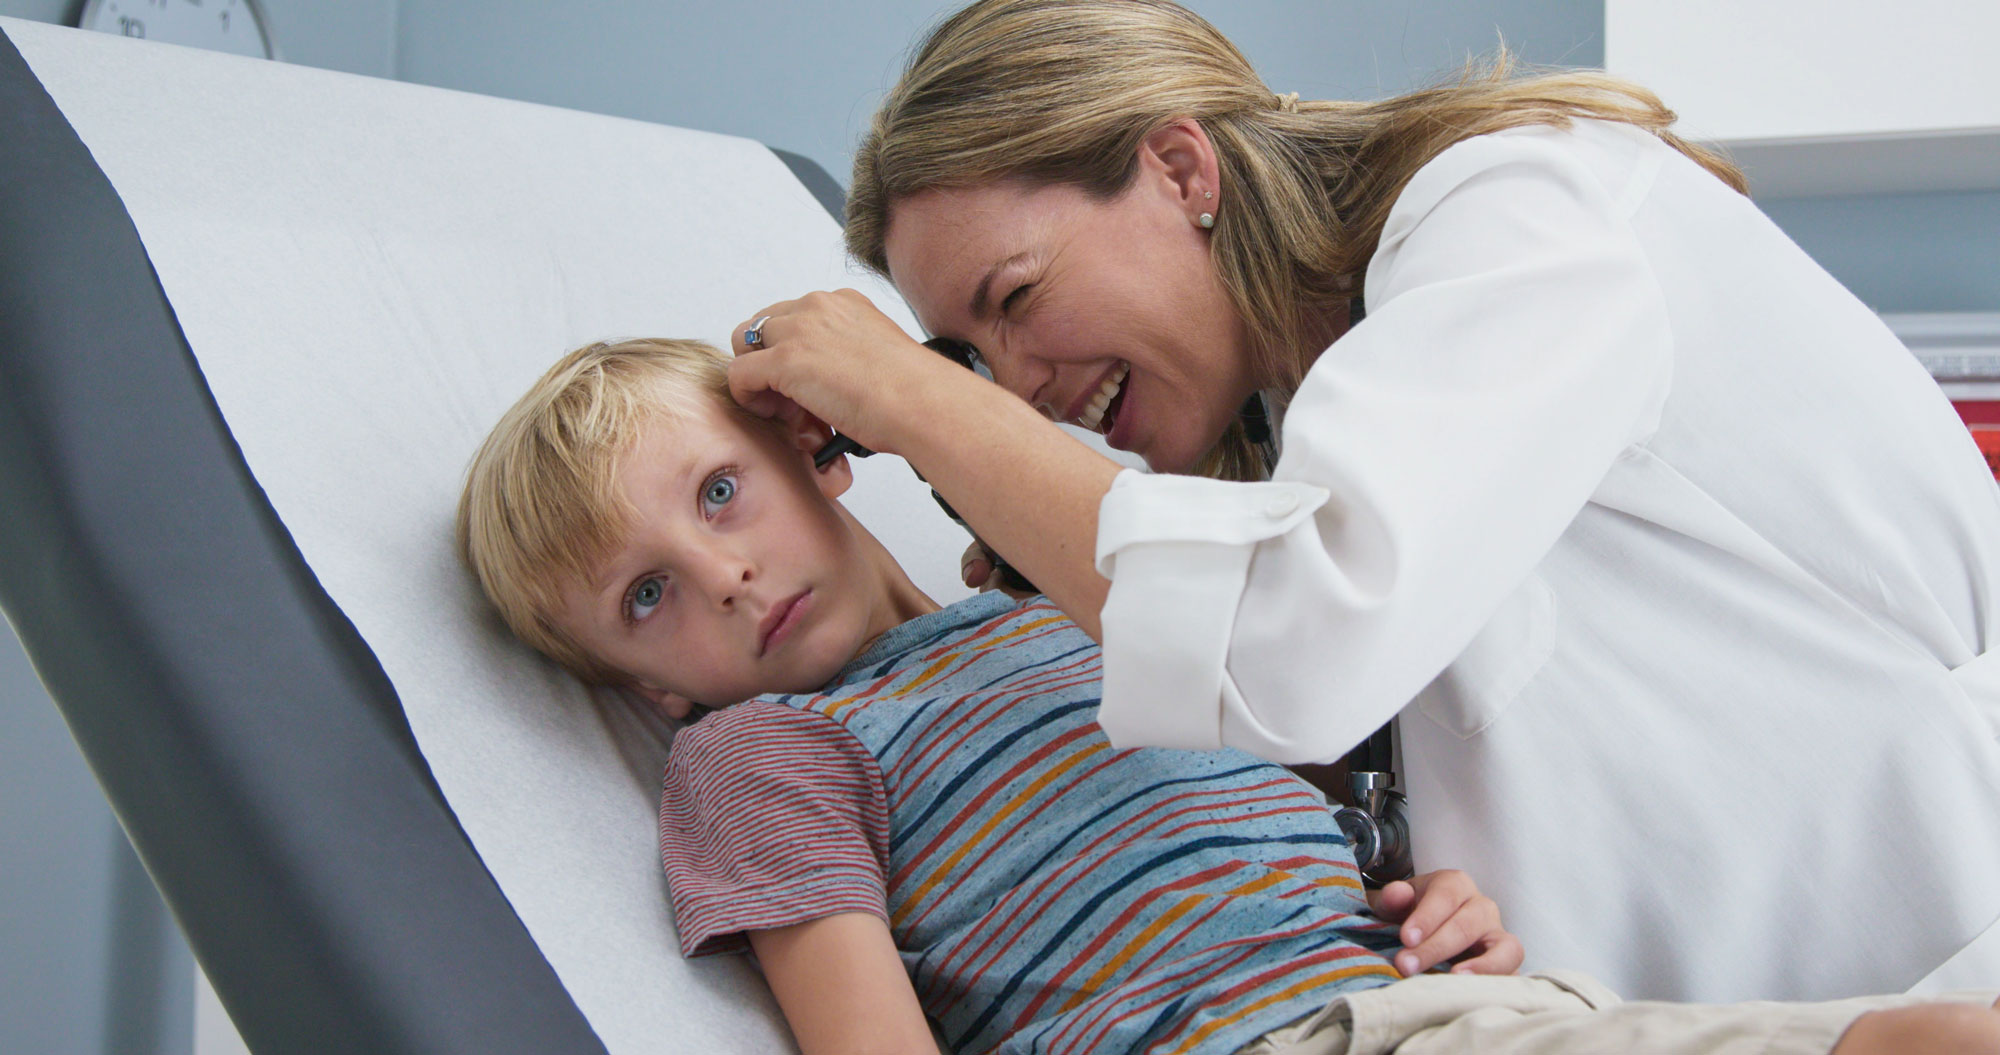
(770, 816)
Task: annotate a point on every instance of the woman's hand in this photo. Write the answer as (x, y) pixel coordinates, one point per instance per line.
(1018, 481)
(838, 357)
(1445, 916)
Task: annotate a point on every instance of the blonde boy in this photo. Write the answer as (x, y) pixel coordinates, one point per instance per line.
(917, 821)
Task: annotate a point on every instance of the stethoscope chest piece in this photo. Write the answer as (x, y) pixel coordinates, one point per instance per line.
(1378, 830)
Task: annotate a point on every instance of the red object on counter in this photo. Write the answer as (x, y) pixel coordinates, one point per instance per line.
(1983, 418)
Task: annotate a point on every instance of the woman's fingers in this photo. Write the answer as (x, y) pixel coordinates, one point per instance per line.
(835, 354)
(764, 322)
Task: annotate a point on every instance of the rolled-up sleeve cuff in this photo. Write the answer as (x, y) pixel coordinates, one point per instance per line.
(1146, 507)
(1177, 550)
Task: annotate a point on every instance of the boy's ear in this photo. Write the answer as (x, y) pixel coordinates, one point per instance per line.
(675, 707)
(808, 435)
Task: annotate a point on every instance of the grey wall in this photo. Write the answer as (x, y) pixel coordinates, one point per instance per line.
(806, 75)
(1903, 252)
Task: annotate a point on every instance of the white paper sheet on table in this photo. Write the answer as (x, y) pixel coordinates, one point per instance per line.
(369, 273)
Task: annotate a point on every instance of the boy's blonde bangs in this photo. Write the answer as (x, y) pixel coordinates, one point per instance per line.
(541, 507)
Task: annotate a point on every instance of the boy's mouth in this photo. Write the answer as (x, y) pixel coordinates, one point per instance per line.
(783, 617)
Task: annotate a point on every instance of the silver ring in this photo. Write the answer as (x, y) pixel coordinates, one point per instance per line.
(754, 336)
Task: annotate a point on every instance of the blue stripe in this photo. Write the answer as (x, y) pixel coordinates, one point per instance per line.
(1103, 894)
(944, 795)
(1149, 794)
(887, 750)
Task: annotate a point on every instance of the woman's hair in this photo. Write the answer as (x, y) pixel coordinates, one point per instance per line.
(541, 506)
(1051, 92)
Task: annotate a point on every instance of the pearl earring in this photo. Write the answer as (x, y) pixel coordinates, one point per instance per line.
(1207, 194)
(1205, 220)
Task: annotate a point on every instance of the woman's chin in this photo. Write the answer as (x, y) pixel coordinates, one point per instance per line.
(1168, 461)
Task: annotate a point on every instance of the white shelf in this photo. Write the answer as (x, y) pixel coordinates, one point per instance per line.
(1960, 349)
(1881, 163)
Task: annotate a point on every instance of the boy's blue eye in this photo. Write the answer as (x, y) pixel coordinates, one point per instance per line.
(717, 493)
(646, 596)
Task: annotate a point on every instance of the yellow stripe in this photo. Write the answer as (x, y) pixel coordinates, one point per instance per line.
(933, 670)
(833, 709)
(1153, 929)
(928, 673)
(1283, 995)
(993, 822)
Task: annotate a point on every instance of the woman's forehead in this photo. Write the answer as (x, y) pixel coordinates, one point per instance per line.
(942, 243)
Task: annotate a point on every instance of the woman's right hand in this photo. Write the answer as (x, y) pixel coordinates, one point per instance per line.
(838, 357)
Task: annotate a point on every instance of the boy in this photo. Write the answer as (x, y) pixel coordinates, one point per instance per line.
(919, 817)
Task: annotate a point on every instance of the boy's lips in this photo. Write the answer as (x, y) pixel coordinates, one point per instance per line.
(783, 617)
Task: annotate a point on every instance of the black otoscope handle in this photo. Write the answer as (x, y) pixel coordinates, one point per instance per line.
(966, 356)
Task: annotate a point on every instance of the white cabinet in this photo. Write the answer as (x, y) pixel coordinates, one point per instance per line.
(1826, 96)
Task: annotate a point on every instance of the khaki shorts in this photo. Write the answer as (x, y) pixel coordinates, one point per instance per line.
(1565, 1012)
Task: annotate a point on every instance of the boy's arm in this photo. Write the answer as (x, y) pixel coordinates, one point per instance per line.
(842, 987)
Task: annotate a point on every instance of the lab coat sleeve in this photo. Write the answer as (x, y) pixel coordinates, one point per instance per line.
(1516, 343)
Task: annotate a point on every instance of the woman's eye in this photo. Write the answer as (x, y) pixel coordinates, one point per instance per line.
(646, 596)
(717, 493)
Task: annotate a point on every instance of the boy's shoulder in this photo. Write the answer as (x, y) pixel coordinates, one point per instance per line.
(755, 734)
(978, 626)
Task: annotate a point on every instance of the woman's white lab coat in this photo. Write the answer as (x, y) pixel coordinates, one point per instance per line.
(1683, 566)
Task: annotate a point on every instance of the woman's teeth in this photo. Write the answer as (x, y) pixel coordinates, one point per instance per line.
(1093, 413)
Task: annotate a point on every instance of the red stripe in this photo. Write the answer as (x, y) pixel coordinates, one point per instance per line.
(1039, 896)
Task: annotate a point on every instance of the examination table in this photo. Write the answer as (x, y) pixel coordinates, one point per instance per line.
(254, 321)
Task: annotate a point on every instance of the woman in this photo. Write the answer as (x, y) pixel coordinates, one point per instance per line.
(1682, 565)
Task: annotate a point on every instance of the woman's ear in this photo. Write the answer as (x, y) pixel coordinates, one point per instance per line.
(1181, 160)
(675, 707)
(809, 435)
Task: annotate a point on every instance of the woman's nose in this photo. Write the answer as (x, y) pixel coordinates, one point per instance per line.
(1019, 371)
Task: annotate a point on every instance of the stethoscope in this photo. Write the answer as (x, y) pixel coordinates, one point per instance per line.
(1377, 825)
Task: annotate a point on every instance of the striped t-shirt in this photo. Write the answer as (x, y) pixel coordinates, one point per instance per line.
(1047, 893)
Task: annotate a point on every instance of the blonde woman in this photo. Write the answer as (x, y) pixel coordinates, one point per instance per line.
(1678, 567)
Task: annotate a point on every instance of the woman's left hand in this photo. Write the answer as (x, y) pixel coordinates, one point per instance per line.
(838, 357)
(1445, 916)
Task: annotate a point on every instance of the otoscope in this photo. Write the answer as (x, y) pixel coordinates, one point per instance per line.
(966, 356)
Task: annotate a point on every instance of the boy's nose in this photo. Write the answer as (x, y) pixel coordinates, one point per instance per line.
(725, 578)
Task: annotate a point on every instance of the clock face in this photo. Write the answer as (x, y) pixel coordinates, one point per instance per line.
(235, 26)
